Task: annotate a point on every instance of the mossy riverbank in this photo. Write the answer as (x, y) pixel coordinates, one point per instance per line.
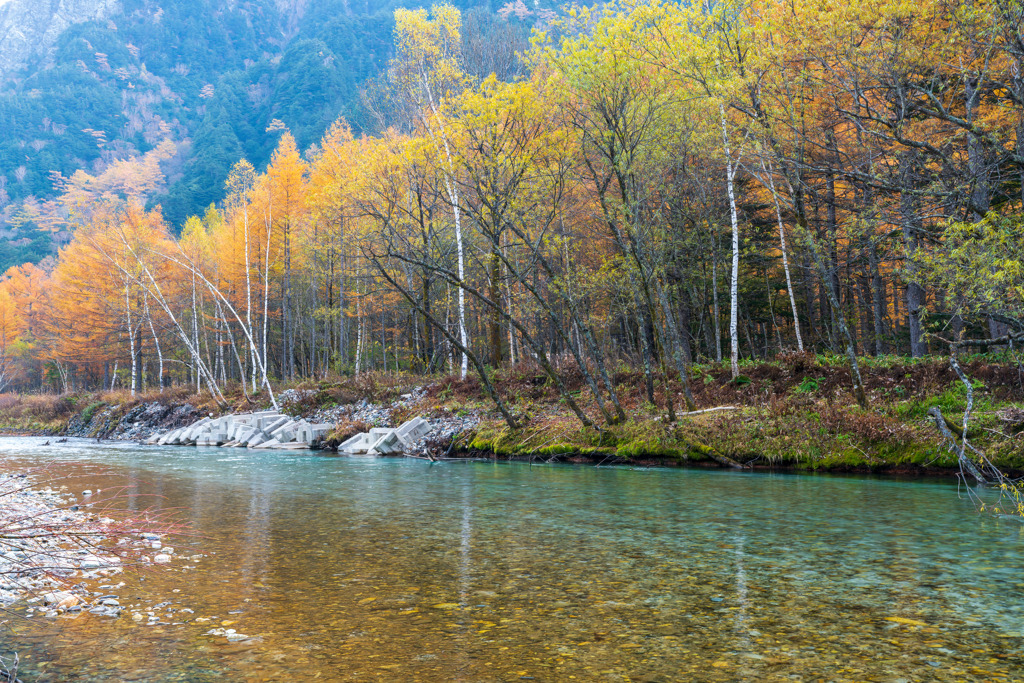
(793, 413)
(796, 413)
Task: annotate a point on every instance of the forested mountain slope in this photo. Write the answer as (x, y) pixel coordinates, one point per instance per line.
(87, 83)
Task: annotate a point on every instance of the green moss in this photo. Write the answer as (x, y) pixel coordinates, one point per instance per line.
(90, 410)
(597, 451)
(802, 439)
(557, 449)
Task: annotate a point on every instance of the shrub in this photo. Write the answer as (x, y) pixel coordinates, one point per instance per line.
(808, 385)
(90, 411)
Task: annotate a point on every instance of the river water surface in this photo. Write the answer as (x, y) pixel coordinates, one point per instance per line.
(357, 569)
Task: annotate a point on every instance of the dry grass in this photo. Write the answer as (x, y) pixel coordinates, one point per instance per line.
(41, 408)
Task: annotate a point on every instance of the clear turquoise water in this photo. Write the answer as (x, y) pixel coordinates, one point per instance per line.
(351, 569)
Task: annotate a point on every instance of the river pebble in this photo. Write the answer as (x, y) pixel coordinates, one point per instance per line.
(30, 563)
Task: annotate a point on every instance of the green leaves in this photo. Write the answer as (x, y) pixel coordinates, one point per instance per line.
(982, 264)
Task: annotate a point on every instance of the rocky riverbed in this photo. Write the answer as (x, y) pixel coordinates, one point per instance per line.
(60, 556)
(50, 544)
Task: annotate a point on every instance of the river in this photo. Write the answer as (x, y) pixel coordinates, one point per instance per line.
(361, 569)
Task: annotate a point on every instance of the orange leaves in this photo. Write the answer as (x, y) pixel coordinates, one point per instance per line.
(133, 179)
(98, 286)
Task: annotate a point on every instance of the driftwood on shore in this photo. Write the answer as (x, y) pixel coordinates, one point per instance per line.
(707, 410)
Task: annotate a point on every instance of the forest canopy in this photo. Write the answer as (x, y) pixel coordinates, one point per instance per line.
(644, 183)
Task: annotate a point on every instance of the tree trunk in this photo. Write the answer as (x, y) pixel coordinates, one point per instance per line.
(915, 292)
(785, 257)
(494, 292)
(730, 172)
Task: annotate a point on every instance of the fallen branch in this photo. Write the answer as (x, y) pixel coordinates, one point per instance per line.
(715, 455)
(954, 427)
(1008, 338)
(707, 410)
(955, 446)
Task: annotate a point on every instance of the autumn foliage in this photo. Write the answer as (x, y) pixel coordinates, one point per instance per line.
(668, 183)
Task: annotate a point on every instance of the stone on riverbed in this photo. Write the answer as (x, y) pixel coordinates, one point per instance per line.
(61, 600)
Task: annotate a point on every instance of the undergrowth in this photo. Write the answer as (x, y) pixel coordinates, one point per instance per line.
(795, 410)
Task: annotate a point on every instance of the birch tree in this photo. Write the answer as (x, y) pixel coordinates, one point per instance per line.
(428, 68)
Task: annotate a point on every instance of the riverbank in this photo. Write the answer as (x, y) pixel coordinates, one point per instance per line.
(793, 413)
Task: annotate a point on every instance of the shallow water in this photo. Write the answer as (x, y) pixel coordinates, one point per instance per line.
(349, 569)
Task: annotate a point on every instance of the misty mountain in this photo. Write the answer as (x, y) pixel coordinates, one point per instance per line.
(84, 83)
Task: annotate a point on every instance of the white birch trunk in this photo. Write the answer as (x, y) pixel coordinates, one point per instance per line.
(785, 257)
(447, 326)
(714, 298)
(730, 172)
(266, 294)
(156, 343)
(359, 332)
(195, 334)
(131, 334)
(453, 198)
(221, 365)
(248, 288)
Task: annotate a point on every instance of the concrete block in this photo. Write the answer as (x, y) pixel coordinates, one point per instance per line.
(389, 444)
(256, 440)
(293, 446)
(260, 417)
(195, 429)
(413, 430)
(277, 422)
(358, 444)
(245, 432)
(288, 426)
(274, 431)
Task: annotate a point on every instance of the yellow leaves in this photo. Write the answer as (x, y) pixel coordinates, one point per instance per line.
(132, 179)
(905, 621)
(286, 174)
(429, 45)
(240, 182)
(87, 313)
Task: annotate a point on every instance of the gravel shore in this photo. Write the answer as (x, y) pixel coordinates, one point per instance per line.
(52, 546)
